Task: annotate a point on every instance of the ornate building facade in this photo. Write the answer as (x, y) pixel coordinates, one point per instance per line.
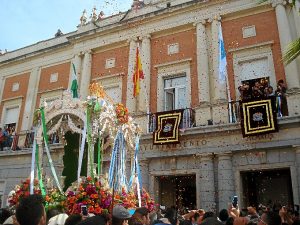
(178, 41)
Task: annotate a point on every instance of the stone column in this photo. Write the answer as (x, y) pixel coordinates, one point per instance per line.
(291, 71)
(219, 86)
(225, 180)
(77, 63)
(130, 100)
(144, 167)
(31, 99)
(298, 170)
(86, 74)
(145, 53)
(296, 11)
(207, 184)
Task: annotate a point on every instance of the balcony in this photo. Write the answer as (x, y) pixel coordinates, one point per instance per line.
(189, 115)
(188, 120)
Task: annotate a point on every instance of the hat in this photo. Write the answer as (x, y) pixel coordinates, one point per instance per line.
(121, 213)
(58, 219)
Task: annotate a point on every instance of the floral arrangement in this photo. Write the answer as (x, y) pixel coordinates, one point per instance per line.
(122, 113)
(126, 199)
(23, 190)
(55, 199)
(147, 201)
(92, 194)
(95, 194)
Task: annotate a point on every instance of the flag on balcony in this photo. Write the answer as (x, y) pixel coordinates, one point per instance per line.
(74, 85)
(138, 74)
(222, 58)
(258, 117)
(167, 127)
(223, 77)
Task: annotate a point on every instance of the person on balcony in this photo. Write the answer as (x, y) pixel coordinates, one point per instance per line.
(245, 91)
(281, 100)
(257, 90)
(2, 139)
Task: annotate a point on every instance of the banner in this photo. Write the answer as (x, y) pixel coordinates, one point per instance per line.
(167, 127)
(258, 117)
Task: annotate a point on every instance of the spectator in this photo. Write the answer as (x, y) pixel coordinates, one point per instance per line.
(140, 217)
(59, 219)
(31, 211)
(257, 90)
(120, 215)
(2, 139)
(269, 218)
(281, 99)
(4, 215)
(209, 218)
(223, 215)
(73, 219)
(245, 92)
(95, 220)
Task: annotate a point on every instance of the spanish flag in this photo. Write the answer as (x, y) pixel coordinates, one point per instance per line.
(138, 74)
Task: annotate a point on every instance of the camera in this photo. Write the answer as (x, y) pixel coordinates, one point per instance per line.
(84, 210)
(235, 201)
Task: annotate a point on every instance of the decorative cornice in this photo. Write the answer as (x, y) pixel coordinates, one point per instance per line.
(278, 2)
(145, 36)
(132, 39)
(203, 22)
(214, 18)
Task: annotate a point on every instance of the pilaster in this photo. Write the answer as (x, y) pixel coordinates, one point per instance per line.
(206, 185)
(145, 53)
(30, 102)
(225, 179)
(77, 61)
(86, 74)
(219, 86)
(291, 70)
(130, 100)
(297, 152)
(202, 63)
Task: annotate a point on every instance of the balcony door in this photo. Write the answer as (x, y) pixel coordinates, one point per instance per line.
(175, 91)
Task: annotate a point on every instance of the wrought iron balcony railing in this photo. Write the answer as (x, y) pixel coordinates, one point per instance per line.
(188, 120)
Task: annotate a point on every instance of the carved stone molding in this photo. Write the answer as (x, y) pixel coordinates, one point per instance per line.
(214, 17)
(278, 2)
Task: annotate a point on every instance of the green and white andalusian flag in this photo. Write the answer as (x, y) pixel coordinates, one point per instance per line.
(74, 85)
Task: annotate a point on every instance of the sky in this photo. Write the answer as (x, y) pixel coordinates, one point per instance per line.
(25, 22)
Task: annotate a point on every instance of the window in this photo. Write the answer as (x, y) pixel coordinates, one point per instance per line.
(175, 93)
(11, 116)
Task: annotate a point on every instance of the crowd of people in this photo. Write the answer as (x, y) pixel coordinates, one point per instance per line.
(8, 138)
(262, 89)
(31, 211)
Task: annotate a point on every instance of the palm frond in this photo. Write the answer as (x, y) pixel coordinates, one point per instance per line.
(292, 52)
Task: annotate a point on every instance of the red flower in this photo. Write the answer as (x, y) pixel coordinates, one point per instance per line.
(97, 210)
(91, 209)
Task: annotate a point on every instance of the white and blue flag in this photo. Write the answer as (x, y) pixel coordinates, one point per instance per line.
(222, 58)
